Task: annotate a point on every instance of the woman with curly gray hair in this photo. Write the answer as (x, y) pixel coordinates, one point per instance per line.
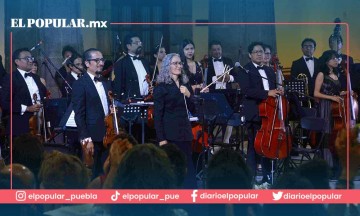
(172, 101)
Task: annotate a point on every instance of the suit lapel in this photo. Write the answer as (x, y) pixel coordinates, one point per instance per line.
(21, 81)
(305, 68)
(92, 89)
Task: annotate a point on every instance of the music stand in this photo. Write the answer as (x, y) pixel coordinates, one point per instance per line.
(297, 87)
(134, 111)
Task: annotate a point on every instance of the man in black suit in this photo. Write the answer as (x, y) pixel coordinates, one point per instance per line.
(66, 53)
(216, 67)
(91, 105)
(256, 89)
(75, 64)
(307, 64)
(130, 71)
(24, 85)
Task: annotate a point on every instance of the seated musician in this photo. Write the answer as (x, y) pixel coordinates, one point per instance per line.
(328, 89)
(256, 89)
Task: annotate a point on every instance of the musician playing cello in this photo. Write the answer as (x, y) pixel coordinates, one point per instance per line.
(328, 89)
(256, 89)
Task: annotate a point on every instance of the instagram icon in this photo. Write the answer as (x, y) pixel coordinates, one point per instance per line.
(20, 195)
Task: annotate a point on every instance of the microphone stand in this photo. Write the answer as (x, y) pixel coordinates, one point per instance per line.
(46, 57)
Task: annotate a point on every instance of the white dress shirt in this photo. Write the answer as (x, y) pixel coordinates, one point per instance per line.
(219, 69)
(310, 65)
(33, 89)
(102, 94)
(265, 81)
(141, 73)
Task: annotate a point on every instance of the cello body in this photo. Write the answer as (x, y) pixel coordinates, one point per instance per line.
(272, 140)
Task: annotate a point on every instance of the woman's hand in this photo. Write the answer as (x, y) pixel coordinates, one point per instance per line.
(185, 91)
(336, 98)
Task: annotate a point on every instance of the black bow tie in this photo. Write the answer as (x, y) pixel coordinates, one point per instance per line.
(219, 60)
(97, 79)
(260, 67)
(136, 58)
(78, 75)
(311, 58)
(28, 74)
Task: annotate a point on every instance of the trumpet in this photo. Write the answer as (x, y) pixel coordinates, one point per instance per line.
(304, 78)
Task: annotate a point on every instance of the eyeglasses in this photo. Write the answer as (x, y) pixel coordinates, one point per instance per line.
(257, 52)
(137, 42)
(335, 58)
(97, 60)
(267, 53)
(177, 63)
(78, 64)
(308, 46)
(28, 58)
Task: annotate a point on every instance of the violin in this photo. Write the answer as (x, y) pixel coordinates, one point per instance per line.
(272, 139)
(34, 123)
(111, 124)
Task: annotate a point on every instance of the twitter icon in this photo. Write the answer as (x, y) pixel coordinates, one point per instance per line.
(277, 196)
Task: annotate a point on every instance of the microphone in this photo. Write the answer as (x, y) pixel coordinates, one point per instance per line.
(238, 65)
(36, 46)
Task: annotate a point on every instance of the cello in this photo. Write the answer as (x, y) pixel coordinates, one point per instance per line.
(272, 139)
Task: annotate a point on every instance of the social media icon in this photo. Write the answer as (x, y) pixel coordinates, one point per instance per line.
(115, 196)
(194, 195)
(277, 196)
(20, 196)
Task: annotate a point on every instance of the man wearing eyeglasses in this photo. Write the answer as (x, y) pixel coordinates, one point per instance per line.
(257, 83)
(75, 63)
(307, 64)
(130, 71)
(91, 105)
(24, 85)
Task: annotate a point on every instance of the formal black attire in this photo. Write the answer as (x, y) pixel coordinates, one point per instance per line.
(20, 96)
(126, 82)
(254, 93)
(172, 122)
(299, 66)
(89, 115)
(211, 71)
(342, 75)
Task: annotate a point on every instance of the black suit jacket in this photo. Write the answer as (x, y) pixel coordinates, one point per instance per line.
(211, 72)
(170, 115)
(126, 82)
(89, 113)
(70, 79)
(20, 96)
(253, 90)
(299, 66)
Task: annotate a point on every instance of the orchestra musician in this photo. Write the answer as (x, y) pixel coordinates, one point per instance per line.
(130, 71)
(91, 105)
(24, 85)
(34, 70)
(267, 55)
(192, 68)
(307, 64)
(66, 53)
(159, 53)
(172, 101)
(75, 64)
(255, 90)
(328, 89)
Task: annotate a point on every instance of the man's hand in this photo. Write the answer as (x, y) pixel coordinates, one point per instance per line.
(34, 108)
(90, 147)
(275, 92)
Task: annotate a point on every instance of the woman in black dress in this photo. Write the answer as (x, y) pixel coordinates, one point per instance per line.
(328, 89)
(172, 102)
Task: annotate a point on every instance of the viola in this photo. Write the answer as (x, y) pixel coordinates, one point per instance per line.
(111, 124)
(272, 139)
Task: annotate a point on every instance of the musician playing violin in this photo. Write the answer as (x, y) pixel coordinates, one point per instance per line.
(24, 85)
(328, 89)
(257, 83)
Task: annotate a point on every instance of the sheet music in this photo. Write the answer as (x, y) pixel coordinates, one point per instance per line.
(71, 120)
